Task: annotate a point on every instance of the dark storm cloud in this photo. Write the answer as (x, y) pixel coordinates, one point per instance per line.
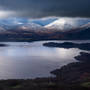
(41, 8)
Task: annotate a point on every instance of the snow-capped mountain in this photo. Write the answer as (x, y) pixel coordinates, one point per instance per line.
(2, 29)
(51, 28)
(86, 25)
(12, 23)
(47, 23)
(30, 26)
(44, 21)
(65, 24)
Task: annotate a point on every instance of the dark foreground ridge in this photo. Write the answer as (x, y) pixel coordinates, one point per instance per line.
(83, 46)
(75, 73)
(74, 76)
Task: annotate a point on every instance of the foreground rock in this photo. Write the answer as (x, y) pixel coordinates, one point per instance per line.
(83, 46)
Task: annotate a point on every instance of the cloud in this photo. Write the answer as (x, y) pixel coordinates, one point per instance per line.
(5, 14)
(42, 8)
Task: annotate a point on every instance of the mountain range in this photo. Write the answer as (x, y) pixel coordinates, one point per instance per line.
(49, 28)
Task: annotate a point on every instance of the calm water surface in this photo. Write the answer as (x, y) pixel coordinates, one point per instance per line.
(22, 60)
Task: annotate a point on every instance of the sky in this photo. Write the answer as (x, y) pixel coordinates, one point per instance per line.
(44, 8)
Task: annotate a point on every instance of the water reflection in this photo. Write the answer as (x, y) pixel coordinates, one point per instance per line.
(30, 60)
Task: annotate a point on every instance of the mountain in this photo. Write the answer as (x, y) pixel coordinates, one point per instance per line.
(50, 23)
(2, 29)
(44, 21)
(86, 26)
(66, 24)
(54, 28)
(82, 32)
(11, 23)
(60, 24)
(30, 26)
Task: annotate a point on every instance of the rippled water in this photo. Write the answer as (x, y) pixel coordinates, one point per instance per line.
(21, 60)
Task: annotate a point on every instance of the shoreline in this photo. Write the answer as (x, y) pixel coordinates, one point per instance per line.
(67, 45)
(72, 76)
(69, 77)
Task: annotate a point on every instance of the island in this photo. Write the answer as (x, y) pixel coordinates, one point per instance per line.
(3, 45)
(67, 45)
